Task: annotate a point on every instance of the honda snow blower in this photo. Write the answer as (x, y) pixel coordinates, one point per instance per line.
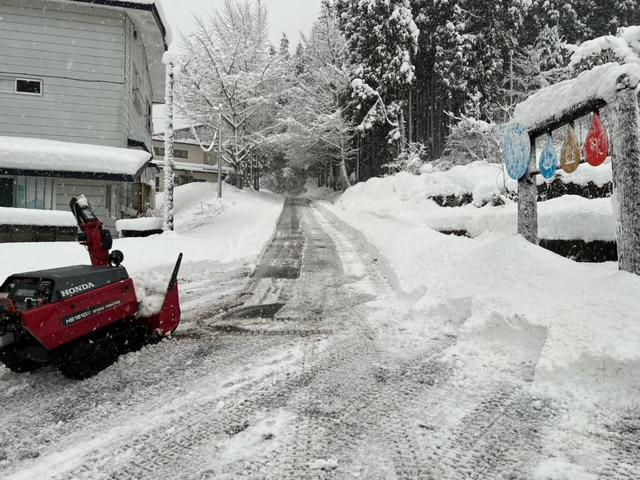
(80, 318)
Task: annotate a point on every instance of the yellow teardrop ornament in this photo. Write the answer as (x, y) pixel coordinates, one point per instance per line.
(570, 156)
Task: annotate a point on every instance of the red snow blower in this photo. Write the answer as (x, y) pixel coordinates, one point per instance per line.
(80, 318)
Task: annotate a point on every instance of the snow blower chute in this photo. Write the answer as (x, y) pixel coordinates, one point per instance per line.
(80, 318)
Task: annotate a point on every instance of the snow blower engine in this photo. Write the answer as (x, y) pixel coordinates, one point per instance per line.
(80, 318)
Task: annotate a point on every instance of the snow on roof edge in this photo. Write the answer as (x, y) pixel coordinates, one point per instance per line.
(20, 153)
(194, 167)
(154, 6)
(551, 102)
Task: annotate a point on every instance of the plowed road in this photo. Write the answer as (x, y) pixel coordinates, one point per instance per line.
(302, 369)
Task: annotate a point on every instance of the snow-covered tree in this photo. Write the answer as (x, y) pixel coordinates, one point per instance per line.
(471, 140)
(314, 125)
(284, 47)
(623, 48)
(228, 63)
(537, 66)
(382, 40)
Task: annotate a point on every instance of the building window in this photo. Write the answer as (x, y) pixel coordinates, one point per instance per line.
(177, 153)
(26, 86)
(6, 192)
(108, 200)
(157, 184)
(35, 193)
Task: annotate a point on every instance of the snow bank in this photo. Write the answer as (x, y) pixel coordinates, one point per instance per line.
(481, 179)
(565, 218)
(25, 216)
(143, 224)
(583, 315)
(553, 101)
(235, 233)
(586, 173)
(21, 153)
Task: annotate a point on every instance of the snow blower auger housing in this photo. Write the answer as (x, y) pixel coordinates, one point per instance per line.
(80, 318)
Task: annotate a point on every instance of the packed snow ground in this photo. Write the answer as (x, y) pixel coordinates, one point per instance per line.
(499, 286)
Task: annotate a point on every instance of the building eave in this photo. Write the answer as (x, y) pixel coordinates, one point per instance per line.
(147, 7)
(110, 177)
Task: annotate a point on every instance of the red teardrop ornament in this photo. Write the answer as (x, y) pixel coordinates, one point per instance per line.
(597, 143)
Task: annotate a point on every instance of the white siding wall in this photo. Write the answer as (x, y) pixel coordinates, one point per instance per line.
(137, 117)
(79, 53)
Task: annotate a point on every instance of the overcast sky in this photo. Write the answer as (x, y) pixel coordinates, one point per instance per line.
(289, 16)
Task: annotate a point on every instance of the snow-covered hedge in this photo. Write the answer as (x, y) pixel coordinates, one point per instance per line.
(479, 182)
(570, 217)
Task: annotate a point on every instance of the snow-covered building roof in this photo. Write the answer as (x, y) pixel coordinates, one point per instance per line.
(154, 29)
(194, 167)
(178, 139)
(31, 156)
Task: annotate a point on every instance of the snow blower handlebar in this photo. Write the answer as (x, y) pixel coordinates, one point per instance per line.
(97, 240)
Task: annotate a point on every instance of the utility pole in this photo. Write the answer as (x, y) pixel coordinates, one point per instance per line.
(169, 140)
(220, 151)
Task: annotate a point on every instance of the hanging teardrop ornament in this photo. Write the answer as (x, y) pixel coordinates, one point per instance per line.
(516, 149)
(597, 143)
(548, 159)
(570, 156)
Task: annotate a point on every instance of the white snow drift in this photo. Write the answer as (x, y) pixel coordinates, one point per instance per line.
(584, 314)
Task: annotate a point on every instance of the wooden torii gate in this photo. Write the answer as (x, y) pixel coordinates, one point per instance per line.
(622, 97)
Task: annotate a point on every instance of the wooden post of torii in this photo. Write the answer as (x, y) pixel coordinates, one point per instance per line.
(625, 136)
(626, 171)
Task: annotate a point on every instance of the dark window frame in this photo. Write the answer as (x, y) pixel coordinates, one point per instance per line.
(39, 81)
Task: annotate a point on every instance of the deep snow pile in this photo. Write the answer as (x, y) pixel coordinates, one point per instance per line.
(208, 232)
(483, 180)
(565, 218)
(496, 284)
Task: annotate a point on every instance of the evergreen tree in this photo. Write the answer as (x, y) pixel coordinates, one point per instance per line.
(284, 47)
(382, 39)
(300, 60)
